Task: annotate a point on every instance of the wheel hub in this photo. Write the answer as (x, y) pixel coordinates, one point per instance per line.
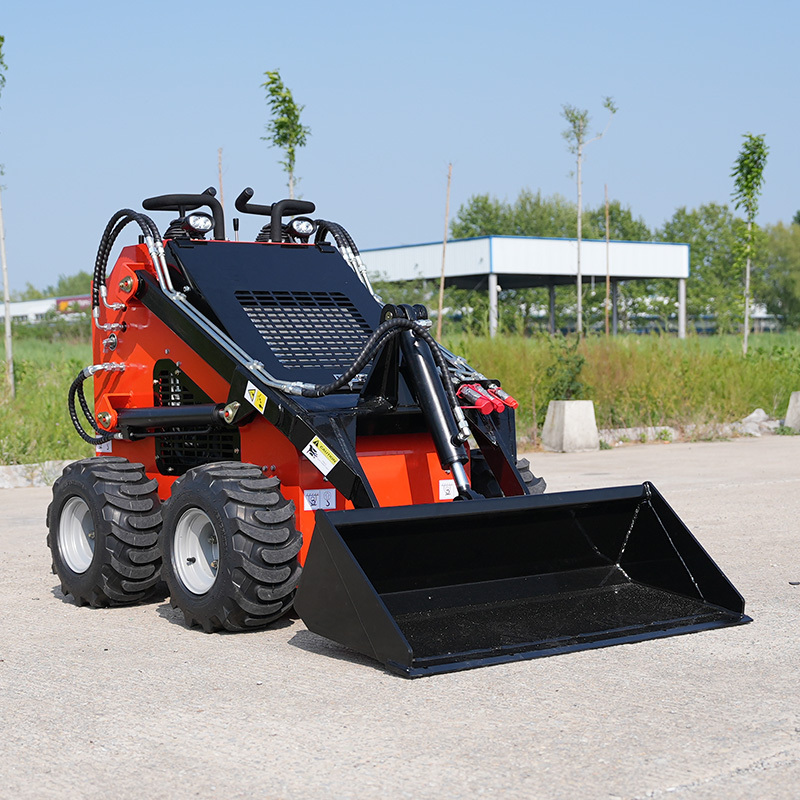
(195, 551)
(76, 535)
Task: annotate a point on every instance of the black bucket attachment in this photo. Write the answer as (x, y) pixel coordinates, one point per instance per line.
(437, 588)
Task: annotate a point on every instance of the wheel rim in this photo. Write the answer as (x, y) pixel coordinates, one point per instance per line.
(195, 551)
(76, 535)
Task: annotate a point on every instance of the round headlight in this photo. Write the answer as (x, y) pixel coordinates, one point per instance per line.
(198, 223)
(302, 227)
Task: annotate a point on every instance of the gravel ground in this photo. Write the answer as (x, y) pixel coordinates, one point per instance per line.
(128, 703)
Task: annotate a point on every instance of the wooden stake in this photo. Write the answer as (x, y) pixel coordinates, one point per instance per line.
(7, 301)
(608, 265)
(219, 170)
(444, 250)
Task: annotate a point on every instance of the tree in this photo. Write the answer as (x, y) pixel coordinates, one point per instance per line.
(748, 177)
(482, 215)
(66, 286)
(284, 129)
(3, 67)
(531, 214)
(778, 262)
(713, 289)
(575, 134)
(622, 225)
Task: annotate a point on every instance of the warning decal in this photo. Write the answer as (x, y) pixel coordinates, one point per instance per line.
(319, 499)
(255, 397)
(320, 455)
(447, 490)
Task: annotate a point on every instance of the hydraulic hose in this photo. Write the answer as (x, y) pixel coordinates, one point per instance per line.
(386, 331)
(115, 226)
(347, 247)
(76, 389)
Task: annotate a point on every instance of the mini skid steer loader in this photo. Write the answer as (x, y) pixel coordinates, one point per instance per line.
(269, 435)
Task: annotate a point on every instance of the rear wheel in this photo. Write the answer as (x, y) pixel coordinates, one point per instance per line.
(484, 481)
(103, 532)
(229, 546)
(535, 485)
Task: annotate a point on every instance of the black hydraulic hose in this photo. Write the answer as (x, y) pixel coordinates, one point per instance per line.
(115, 226)
(77, 388)
(347, 247)
(340, 235)
(388, 330)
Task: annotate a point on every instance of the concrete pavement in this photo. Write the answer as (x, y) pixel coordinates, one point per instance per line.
(128, 703)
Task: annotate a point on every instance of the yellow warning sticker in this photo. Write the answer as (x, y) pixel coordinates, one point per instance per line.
(320, 455)
(255, 397)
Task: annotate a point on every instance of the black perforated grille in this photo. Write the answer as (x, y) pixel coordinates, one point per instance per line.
(308, 329)
(176, 451)
(177, 454)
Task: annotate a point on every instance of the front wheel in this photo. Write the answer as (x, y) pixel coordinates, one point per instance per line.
(103, 532)
(229, 547)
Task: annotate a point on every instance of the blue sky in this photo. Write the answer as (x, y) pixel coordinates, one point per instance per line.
(108, 103)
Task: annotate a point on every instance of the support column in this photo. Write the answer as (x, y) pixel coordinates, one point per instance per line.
(551, 325)
(492, 304)
(681, 308)
(614, 308)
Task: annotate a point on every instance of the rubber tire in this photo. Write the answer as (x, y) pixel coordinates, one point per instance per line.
(258, 543)
(484, 482)
(123, 502)
(535, 485)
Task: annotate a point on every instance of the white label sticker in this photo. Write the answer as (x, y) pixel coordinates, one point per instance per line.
(319, 499)
(447, 489)
(255, 397)
(320, 455)
(103, 448)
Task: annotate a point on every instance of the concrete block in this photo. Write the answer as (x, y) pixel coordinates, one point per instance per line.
(793, 412)
(570, 427)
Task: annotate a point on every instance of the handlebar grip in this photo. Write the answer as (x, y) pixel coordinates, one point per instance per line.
(189, 202)
(244, 205)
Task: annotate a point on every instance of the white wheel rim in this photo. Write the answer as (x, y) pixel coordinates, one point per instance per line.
(76, 535)
(195, 551)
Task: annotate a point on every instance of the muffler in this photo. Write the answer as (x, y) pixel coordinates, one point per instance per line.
(444, 587)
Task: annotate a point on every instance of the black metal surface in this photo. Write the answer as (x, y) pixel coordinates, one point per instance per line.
(307, 329)
(179, 451)
(334, 301)
(444, 587)
(166, 417)
(495, 435)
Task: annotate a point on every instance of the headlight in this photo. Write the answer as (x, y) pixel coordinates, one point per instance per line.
(198, 223)
(302, 227)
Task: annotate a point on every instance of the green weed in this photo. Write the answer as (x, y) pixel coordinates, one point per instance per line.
(785, 430)
(36, 425)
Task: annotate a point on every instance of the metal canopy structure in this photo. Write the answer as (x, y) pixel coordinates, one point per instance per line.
(516, 262)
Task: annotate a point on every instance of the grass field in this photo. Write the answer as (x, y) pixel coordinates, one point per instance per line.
(633, 380)
(646, 380)
(36, 426)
